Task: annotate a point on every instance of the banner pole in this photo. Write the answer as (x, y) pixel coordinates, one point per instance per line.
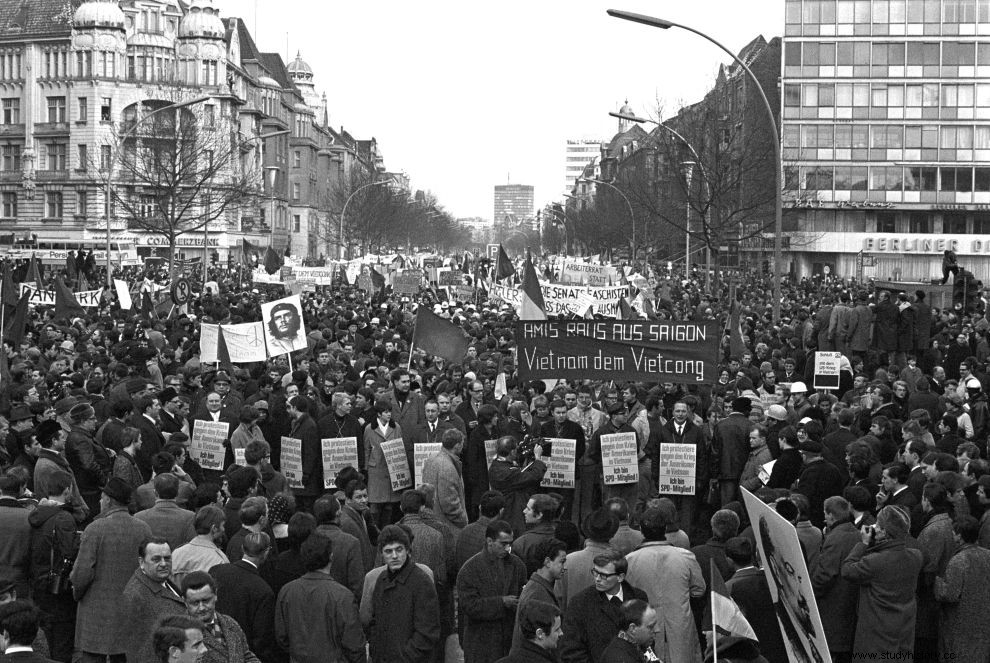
(714, 631)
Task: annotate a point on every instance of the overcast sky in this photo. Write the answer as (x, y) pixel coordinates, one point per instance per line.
(464, 95)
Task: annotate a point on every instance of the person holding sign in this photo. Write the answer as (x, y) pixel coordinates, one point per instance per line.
(561, 427)
(304, 429)
(384, 501)
(443, 472)
(616, 424)
(680, 429)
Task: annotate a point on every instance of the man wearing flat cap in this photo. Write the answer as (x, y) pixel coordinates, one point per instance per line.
(730, 449)
(91, 462)
(108, 557)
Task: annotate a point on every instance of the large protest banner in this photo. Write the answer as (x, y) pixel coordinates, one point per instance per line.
(245, 342)
(557, 297)
(583, 273)
(397, 463)
(421, 452)
(790, 583)
(206, 445)
(677, 469)
(338, 453)
(560, 463)
(292, 461)
(619, 463)
(647, 350)
(88, 298)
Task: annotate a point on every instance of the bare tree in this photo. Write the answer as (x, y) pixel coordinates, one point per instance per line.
(179, 170)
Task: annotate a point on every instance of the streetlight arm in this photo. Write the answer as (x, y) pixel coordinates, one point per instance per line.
(347, 202)
(778, 166)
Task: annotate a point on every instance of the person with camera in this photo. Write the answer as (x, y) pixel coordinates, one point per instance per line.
(517, 476)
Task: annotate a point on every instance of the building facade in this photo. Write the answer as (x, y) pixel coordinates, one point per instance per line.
(513, 202)
(577, 153)
(886, 136)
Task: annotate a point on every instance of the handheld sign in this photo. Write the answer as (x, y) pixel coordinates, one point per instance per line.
(292, 461)
(206, 443)
(827, 370)
(677, 469)
(490, 448)
(421, 452)
(398, 464)
(338, 453)
(560, 464)
(619, 463)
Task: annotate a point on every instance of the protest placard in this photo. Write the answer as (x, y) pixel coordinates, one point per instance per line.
(338, 453)
(677, 469)
(827, 369)
(583, 273)
(87, 298)
(647, 350)
(560, 463)
(206, 443)
(209, 339)
(239, 457)
(407, 283)
(397, 463)
(765, 472)
(619, 464)
(292, 467)
(451, 277)
(421, 452)
(490, 448)
(245, 342)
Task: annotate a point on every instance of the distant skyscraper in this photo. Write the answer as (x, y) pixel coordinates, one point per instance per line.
(515, 200)
(576, 156)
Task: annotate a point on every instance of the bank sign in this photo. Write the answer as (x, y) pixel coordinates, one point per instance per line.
(184, 241)
(926, 244)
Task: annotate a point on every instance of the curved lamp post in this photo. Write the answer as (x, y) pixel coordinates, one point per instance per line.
(347, 202)
(113, 164)
(777, 166)
(628, 206)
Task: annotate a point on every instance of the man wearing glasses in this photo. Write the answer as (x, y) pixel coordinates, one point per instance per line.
(468, 410)
(170, 416)
(594, 615)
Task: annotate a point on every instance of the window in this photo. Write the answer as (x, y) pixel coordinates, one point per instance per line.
(83, 156)
(53, 204)
(295, 223)
(208, 72)
(146, 206)
(921, 179)
(84, 64)
(295, 190)
(981, 223)
(106, 109)
(11, 158)
(51, 156)
(953, 223)
(296, 159)
(886, 222)
(9, 204)
(209, 116)
(12, 110)
(83, 109)
(956, 179)
(81, 203)
(105, 157)
(56, 109)
(921, 222)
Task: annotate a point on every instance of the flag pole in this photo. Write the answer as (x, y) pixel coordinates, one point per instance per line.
(714, 630)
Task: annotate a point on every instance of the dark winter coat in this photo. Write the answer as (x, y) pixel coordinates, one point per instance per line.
(885, 326)
(818, 481)
(405, 624)
(481, 583)
(590, 623)
(145, 603)
(837, 597)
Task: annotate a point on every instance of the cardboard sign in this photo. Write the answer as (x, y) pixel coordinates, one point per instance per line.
(398, 464)
(619, 464)
(407, 283)
(292, 467)
(827, 370)
(490, 448)
(239, 457)
(560, 464)
(451, 277)
(677, 469)
(765, 472)
(421, 452)
(338, 453)
(206, 444)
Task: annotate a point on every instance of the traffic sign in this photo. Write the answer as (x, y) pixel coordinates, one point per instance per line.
(180, 292)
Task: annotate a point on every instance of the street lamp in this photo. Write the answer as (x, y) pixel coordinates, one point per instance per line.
(116, 155)
(777, 165)
(628, 205)
(704, 180)
(347, 202)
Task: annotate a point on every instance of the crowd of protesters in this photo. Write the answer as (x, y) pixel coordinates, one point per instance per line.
(121, 546)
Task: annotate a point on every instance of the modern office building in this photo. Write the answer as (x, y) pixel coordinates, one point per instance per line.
(577, 154)
(513, 204)
(886, 136)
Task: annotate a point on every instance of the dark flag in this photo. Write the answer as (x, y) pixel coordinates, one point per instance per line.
(14, 331)
(531, 304)
(250, 254)
(377, 280)
(736, 344)
(439, 337)
(273, 261)
(148, 306)
(625, 310)
(223, 354)
(70, 267)
(66, 305)
(503, 266)
(466, 265)
(34, 273)
(9, 295)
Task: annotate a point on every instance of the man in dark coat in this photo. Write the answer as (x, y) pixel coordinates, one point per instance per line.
(749, 589)
(348, 564)
(540, 624)
(633, 643)
(338, 422)
(681, 430)
(247, 598)
(152, 441)
(107, 559)
(488, 587)
(408, 407)
(836, 596)
(562, 427)
(148, 597)
(90, 461)
(818, 481)
(515, 483)
(835, 442)
(885, 327)
(225, 641)
(730, 449)
(594, 615)
(922, 322)
(304, 429)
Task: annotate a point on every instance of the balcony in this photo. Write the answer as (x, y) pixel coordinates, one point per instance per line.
(51, 176)
(51, 128)
(11, 175)
(11, 130)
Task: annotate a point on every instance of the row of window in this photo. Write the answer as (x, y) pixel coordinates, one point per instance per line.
(886, 101)
(862, 54)
(10, 111)
(884, 16)
(51, 156)
(887, 178)
(54, 204)
(883, 136)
